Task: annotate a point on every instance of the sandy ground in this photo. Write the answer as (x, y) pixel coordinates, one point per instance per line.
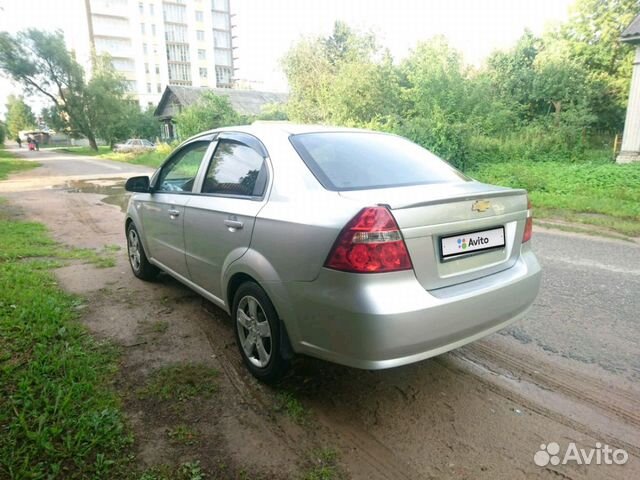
(482, 411)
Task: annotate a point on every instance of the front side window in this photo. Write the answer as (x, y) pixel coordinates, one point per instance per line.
(361, 160)
(235, 169)
(179, 174)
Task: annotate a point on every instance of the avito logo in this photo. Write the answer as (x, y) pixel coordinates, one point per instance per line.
(463, 243)
(478, 241)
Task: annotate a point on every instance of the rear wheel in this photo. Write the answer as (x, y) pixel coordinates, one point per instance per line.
(257, 329)
(137, 257)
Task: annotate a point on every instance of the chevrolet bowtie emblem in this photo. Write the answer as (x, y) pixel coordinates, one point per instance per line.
(481, 206)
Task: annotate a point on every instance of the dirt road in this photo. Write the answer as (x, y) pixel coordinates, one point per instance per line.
(567, 373)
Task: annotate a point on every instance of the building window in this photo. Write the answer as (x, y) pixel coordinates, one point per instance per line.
(203, 72)
(159, 88)
(146, 68)
(175, 33)
(221, 5)
(179, 74)
(157, 69)
(200, 35)
(153, 29)
(151, 10)
(223, 57)
(155, 48)
(223, 77)
(148, 88)
(202, 54)
(174, 13)
(221, 39)
(177, 53)
(221, 21)
(142, 29)
(144, 48)
(141, 8)
(199, 16)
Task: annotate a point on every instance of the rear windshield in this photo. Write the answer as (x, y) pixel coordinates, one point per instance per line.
(363, 160)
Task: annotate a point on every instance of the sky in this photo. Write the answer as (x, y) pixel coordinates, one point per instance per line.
(266, 29)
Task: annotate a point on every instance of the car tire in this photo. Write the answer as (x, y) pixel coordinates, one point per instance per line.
(137, 257)
(257, 329)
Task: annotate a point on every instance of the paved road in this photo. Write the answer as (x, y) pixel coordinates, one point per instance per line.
(589, 307)
(59, 167)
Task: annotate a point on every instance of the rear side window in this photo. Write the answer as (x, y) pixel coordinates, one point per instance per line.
(362, 160)
(235, 169)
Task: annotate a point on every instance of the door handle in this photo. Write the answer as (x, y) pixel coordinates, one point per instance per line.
(173, 212)
(236, 224)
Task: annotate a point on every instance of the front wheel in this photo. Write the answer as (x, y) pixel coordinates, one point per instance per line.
(140, 265)
(257, 329)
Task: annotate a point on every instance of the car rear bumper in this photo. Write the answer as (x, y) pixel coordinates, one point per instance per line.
(387, 320)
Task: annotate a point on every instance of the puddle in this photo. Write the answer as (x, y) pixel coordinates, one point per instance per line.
(113, 190)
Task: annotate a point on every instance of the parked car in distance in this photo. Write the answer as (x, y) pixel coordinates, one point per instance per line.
(356, 247)
(134, 145)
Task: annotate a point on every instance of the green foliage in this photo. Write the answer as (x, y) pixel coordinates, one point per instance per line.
(8, 164)
(181, 383)
(3, 133)
(41, 62)
(273, 111)
(594, 193)
(19, 116)
(289, 404)
(325, 466)
(59, 417)
(210, 111)
(548, 98)
(153, 158)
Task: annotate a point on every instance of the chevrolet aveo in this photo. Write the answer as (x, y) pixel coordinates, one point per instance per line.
(352, 246)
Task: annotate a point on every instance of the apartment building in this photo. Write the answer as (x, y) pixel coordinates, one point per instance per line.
(155, 43)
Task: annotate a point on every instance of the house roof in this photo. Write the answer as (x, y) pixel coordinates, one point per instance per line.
(631, 34)
(246, 102)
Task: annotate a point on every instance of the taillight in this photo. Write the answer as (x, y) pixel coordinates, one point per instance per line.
(370, 243)
(528, 227)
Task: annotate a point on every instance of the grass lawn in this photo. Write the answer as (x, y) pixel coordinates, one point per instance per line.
(151, 159)
(600, 194)
(59, 416)
(9, 164)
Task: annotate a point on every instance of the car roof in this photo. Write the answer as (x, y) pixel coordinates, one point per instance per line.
(260, 128)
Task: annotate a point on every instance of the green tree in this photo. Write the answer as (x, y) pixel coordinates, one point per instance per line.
(210, 111)
(273, 111)
(3, 133)
(41, 62)
(592, 35)
(309, 73)
(19, 116)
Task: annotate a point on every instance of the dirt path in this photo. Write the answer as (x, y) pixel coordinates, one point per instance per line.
(480, 412)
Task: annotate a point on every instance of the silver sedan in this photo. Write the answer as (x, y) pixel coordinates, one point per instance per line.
(353, 246)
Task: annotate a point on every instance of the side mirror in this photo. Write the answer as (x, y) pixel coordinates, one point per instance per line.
(138, 184)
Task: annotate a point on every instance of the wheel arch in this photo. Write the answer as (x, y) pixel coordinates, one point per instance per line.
(239, 277)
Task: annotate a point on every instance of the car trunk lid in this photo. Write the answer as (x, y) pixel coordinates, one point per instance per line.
(481, 225)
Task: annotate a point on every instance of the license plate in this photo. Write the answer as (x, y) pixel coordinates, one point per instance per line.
(472, 242)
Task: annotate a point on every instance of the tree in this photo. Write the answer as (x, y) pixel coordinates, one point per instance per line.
(19, 116)
(592, 35)
(309, 74)
(41, 62)
(3, 133)
(210, 111)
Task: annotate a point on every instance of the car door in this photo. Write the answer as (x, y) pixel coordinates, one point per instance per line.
(219, 222)
(163, 212)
